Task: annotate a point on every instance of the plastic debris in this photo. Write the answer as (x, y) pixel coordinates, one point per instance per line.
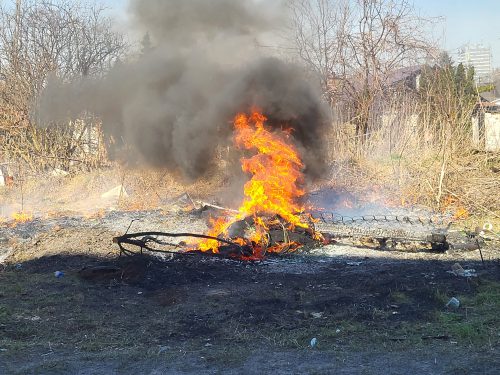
(488, 226)
(453, 302)
(352, 263)
(457, 270)
(471, 272)
(116, 192)
(314, 341)
(162, 349)
(59, 274)
(59, 173)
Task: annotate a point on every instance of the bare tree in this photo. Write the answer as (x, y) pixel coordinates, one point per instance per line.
(68, 39)
(318, 31)
(354, 45)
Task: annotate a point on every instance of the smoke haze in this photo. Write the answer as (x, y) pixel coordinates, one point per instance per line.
(174, 103)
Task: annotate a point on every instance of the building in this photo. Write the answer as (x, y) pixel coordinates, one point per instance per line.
(486, 125)
(407, 78)
(478, 56)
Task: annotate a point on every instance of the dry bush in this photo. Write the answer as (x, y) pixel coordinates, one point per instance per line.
(422, 154)
(77, 145)
(43, 39)
(160, 187)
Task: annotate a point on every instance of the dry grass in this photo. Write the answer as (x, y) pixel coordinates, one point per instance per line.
(82, 193)
(419, 158)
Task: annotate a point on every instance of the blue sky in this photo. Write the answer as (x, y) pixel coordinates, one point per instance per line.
(461, 21)
(465, 21)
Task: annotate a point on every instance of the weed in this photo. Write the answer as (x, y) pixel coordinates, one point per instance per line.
(4, 314)
(400, 297)
(440, 297)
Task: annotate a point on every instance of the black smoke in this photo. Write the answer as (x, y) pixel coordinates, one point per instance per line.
(175, 102)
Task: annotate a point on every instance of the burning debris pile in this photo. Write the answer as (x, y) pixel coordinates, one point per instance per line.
(271, 208)
(270, 218)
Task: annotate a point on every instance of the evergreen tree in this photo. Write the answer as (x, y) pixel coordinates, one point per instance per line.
(448, 94)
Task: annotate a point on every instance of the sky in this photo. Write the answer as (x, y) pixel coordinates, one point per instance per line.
(465, 21)
(459, 22)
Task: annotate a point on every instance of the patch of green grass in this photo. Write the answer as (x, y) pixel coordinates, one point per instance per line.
(57, 366)
(449, 317)
(224, 358)
(12, 345)
(55, 310)
(396, 156)
(477, 319)
(400, 297)
(440, 297)
(4, 314)
(327, 332)
(380, 314)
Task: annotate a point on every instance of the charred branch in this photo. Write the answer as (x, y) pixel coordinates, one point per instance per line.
(142, 240)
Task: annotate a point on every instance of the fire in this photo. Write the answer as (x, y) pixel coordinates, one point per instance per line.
(273, 190)
(451, 203)
(21, 217)
(461, 213)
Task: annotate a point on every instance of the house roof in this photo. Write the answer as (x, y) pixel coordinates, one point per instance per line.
(488, 96)
(487, 105)
(403, 74)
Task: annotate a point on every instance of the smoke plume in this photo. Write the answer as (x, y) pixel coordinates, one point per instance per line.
(174, 102)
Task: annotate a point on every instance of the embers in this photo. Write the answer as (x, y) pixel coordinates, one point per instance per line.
(273, 234)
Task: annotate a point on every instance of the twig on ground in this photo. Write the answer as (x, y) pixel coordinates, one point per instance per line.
(205, 204)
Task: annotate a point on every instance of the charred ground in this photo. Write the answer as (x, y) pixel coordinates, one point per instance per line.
(197, 314)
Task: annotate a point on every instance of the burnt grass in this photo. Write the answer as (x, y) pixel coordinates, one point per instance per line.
(222, 310)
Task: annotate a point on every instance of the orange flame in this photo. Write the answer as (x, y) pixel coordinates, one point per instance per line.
(273, 189)
(461, 213)
(21, 217)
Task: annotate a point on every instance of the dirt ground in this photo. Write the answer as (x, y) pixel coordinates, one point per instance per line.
(338, 309)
